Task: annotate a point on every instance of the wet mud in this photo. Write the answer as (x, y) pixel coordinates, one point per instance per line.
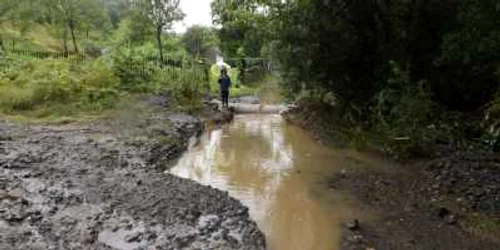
(101, 185)
(450, 202)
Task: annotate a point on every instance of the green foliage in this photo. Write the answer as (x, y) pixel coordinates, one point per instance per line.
(134, 72)
(245, 26)
(491, 124)
(345, 47)
(403, 115)
(160, 16)
(200, 41)
(133, 29)
(118, 10)
(121, 40)
(470, 56)
(182, 84)
(34, 84)
(443, 61)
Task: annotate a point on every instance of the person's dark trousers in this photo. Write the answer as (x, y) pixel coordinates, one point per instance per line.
(225, 98)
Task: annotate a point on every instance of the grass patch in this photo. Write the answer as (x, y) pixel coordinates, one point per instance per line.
(37, 37)
(56, 91)
(484, 226)
(42, 88)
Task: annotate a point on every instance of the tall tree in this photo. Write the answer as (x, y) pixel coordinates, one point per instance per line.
(74, 14)
(7, 8)
(244, 26)
(162, 14)
(117, 10)
(69, 11)
(200, 41)
(93, 16)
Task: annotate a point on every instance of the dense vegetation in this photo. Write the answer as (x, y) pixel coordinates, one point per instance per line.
(64, 57)
(407, 74)
(401, 74)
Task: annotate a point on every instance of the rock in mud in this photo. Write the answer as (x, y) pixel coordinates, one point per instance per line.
(134, 237)
(353, 225)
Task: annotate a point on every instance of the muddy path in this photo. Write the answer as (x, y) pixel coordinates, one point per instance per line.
(101, 185)
(417, 211)
(444, 203)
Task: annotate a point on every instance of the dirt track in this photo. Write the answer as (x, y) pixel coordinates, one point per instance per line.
(101, 186)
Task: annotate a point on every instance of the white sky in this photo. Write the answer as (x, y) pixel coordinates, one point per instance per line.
(197, 12)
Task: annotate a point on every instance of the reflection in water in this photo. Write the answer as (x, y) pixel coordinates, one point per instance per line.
(279, 173)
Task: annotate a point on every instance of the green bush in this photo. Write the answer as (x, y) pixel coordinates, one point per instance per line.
(43, 83)
(184, 83)
(133, 71)
(403, 115)
(140, 74)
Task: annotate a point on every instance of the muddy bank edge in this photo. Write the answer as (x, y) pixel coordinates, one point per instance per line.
(101, 185)
(450, 202)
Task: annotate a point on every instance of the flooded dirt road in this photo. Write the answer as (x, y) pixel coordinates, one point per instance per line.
(280, 173)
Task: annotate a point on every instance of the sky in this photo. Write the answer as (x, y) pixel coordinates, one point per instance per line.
(197, 12)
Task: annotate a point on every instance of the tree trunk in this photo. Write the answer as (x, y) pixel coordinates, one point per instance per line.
(198, 52)
(160, 46)
(65, 42)
(2, 46)
(73, 37)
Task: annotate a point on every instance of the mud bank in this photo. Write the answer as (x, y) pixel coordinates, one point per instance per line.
(451, 202)
(101, 185)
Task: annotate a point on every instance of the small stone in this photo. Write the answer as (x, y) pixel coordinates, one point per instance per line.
(151, 236)
(451, 219)
(358, 238)
(53, 210)
(353, 225)
(135, 237)
(343, 173)
(89, 236)
(443, 212)
(27, 232)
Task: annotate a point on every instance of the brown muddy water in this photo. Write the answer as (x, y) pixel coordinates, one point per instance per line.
(281, 174)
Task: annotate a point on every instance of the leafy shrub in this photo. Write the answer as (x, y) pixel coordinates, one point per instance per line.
(182, 83)
(134, 73)
(89, 85)
(403, 115)
(491, 124)
(91, 49)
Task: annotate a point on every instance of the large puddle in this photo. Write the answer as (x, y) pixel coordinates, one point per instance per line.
(280, 173)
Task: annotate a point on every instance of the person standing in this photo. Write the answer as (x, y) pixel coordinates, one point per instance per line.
(225, 84)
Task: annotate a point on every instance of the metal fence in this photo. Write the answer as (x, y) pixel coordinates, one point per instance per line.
(46, 54)
(257, 64)
(172, 67)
